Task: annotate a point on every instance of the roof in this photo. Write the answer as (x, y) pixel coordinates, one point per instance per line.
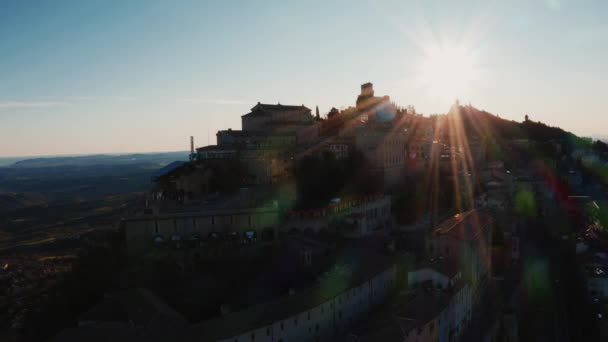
(129, 316)
(401, 315)
(121, 332)
(264, 109)
(226, 148)
(446, 266)
(468, 225)
(139, 306)
(420, 307)
(364, 264)
(383, 329)
(240, 133)
(168, 168)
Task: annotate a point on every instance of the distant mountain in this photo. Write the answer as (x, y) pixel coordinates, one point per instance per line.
(103, 159)
(76, 178)
(6, 161)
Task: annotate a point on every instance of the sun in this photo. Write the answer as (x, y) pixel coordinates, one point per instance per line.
(448, 71)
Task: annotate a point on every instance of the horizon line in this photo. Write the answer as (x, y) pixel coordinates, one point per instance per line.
(88, 154)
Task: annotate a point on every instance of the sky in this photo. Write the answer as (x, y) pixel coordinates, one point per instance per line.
(109, 76)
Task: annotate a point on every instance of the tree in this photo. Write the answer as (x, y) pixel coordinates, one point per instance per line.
(322, 177)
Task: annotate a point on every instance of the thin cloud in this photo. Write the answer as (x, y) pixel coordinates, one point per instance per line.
(32, 104)
(82, 98)
(215, 101)
(126, 98)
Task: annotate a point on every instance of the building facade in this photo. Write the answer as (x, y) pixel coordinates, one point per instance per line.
(242, 224)
(348, 217)
(465, 239)
(303, 317)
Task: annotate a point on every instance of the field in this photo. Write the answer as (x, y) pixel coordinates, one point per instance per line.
(44, 200)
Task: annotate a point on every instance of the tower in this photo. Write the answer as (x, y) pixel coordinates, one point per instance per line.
(367, 93)
(192, 148)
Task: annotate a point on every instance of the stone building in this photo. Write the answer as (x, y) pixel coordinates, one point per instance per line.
(465, 238)
(385, 149)
(349, 217)
(240, 218)
(322, 313)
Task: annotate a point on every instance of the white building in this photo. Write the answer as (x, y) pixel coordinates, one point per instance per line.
(319, 314)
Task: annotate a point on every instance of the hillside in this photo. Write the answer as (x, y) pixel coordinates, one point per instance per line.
(490, 126)
(102, 159)
(14, 201)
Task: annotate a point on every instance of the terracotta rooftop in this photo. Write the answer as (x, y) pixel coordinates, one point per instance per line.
(468, 225)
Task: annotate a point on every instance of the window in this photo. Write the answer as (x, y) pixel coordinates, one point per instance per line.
(295, 321)
(282, 326)
(309, 315)
(253, 336)
(267, 331)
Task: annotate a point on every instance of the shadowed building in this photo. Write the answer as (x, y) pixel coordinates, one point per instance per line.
(247, 217)
(466, 238)
(274, 119)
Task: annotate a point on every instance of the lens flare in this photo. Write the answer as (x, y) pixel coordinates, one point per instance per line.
(448, 71)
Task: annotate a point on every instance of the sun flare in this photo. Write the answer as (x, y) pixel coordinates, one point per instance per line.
(448, 71)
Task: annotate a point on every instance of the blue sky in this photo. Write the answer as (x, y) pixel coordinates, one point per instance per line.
(118, 76)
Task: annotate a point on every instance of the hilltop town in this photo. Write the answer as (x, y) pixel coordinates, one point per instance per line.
(368, 223)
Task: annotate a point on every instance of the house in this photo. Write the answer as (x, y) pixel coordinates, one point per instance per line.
(245, 217)
(322, 313)
(421, 314)
(354, 217)
(465, 238)
(266, 117)
(129, 315)
(433, 315)
(256, 139)
(385, 149)
(275, 119)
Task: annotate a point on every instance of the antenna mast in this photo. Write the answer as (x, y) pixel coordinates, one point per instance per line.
(192, 148)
